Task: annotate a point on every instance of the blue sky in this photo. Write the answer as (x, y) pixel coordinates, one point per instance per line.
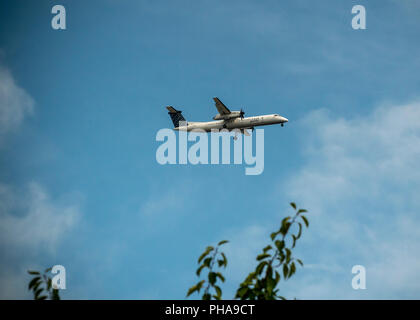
(80, 109)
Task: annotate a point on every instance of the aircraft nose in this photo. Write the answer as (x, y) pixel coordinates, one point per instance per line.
(285, 119)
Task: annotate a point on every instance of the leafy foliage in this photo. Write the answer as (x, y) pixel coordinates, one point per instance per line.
(41, 286)
(208, 260)
(274, 262)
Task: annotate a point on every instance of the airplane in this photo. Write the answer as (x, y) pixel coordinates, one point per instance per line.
(225, 119)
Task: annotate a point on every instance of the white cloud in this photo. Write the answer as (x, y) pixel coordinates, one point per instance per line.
(32, 220)
(361, 184)
(15, 103)
(362, 157)
(28, 218)
(32, 225)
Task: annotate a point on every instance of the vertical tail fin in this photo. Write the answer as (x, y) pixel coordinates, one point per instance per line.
(175, 115)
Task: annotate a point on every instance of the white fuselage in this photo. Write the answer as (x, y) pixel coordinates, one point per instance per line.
(237, 123)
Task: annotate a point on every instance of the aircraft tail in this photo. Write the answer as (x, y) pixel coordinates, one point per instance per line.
(175, 115)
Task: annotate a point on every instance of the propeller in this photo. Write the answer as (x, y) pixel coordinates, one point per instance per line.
(241, 113)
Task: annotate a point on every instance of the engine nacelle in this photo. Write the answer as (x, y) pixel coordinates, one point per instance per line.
(232, 115)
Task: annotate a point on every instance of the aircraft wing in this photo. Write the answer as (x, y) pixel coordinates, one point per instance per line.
(221, 107)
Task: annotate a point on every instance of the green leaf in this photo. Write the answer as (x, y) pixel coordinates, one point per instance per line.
(300, 262)
(202, 256)
(200, 284)
(33, 282)
(292, 269)
(293, 205)
(55, 295)
(191, 290)
(294, 240)
(218, 292)
(225, 259)
(35, 287)
(300, 231)
(279, 244)
(305, 220)
(200, 269)
(222, 242)
(285, 225)
(277, 277)
(263, 256)
(250, 277)
(49, 283)
(260, 267)
(267, 248)
(220, 276)
(288, 255)
(273, 235)
(205, 253)
(285, 271)
(269, 272)
(194, 288)
(281, 257)
(212, 278)
(207, 262)
(33, 272)
(301, 211)
(38, 292)
(206, 296)
(42, 298)
(271, 283)
(242, 292)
